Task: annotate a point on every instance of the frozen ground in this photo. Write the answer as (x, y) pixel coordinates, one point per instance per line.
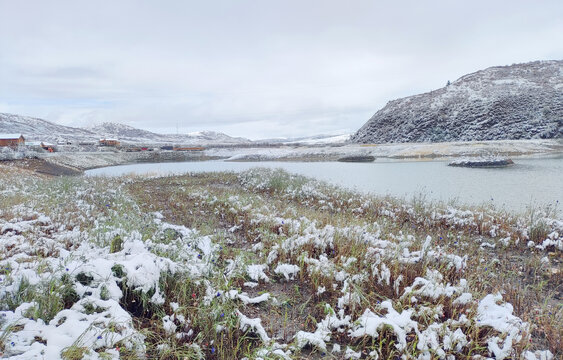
(264, 265)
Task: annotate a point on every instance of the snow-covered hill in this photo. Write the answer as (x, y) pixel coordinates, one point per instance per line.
(122, 132)
(322, 140)
(522, 101)
(43, 130)
(130, 134)
(309, 140)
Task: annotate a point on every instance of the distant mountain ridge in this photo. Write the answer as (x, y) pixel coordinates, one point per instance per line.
(43, 130)
(108, 129)
(309, 140)
(521, 101)
(131, 134)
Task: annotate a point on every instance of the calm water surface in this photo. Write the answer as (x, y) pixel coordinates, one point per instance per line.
(531, 181)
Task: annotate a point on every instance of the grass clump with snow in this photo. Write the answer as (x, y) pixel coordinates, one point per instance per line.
(266, 264)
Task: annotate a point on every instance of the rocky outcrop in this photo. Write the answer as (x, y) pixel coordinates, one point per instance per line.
(482, 163)
(359, 158)
(522, 101)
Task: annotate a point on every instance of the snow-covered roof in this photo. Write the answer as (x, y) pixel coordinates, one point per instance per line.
(108, 139)
(10, 136)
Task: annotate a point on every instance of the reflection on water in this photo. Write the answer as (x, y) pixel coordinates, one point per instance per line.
(529, 182)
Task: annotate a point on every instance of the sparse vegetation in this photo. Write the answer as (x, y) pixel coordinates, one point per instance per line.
(272, 265)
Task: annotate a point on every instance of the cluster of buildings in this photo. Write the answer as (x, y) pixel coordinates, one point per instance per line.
(109, 142)
(16, 141)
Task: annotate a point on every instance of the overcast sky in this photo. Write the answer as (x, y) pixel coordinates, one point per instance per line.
(257, 69)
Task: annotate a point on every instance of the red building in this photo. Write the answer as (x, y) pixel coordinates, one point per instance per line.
(109, 142)
(12, 140)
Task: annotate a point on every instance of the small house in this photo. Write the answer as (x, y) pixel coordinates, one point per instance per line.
(109, 142)
(12, 140)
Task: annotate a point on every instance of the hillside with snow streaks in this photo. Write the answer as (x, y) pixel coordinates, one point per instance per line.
(336, 139)
(43, 130)
(521, 101)
(130, 134)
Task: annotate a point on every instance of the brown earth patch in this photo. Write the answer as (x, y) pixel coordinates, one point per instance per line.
(44, 167)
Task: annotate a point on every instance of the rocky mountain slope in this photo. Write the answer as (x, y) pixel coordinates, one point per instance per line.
(521, 101)
(43, 130)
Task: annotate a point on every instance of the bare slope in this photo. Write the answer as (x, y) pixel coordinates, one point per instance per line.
(522, 101)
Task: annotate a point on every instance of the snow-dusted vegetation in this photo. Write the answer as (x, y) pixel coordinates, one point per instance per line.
(267, 265)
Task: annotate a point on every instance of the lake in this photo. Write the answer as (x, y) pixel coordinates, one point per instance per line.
(529, 182)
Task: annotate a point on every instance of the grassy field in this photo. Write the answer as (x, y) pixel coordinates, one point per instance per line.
(266, 264)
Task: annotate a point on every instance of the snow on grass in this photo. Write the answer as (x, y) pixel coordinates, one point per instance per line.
(256, 272)
(87, 267)
(400, 323)
(287, 270)
(254, 325)
(497, 315)
(72, 267)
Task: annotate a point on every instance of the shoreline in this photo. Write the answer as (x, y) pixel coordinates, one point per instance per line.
(67, 163)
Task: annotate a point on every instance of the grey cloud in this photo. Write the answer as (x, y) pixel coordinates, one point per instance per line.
(253, 68)
(67, 72)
